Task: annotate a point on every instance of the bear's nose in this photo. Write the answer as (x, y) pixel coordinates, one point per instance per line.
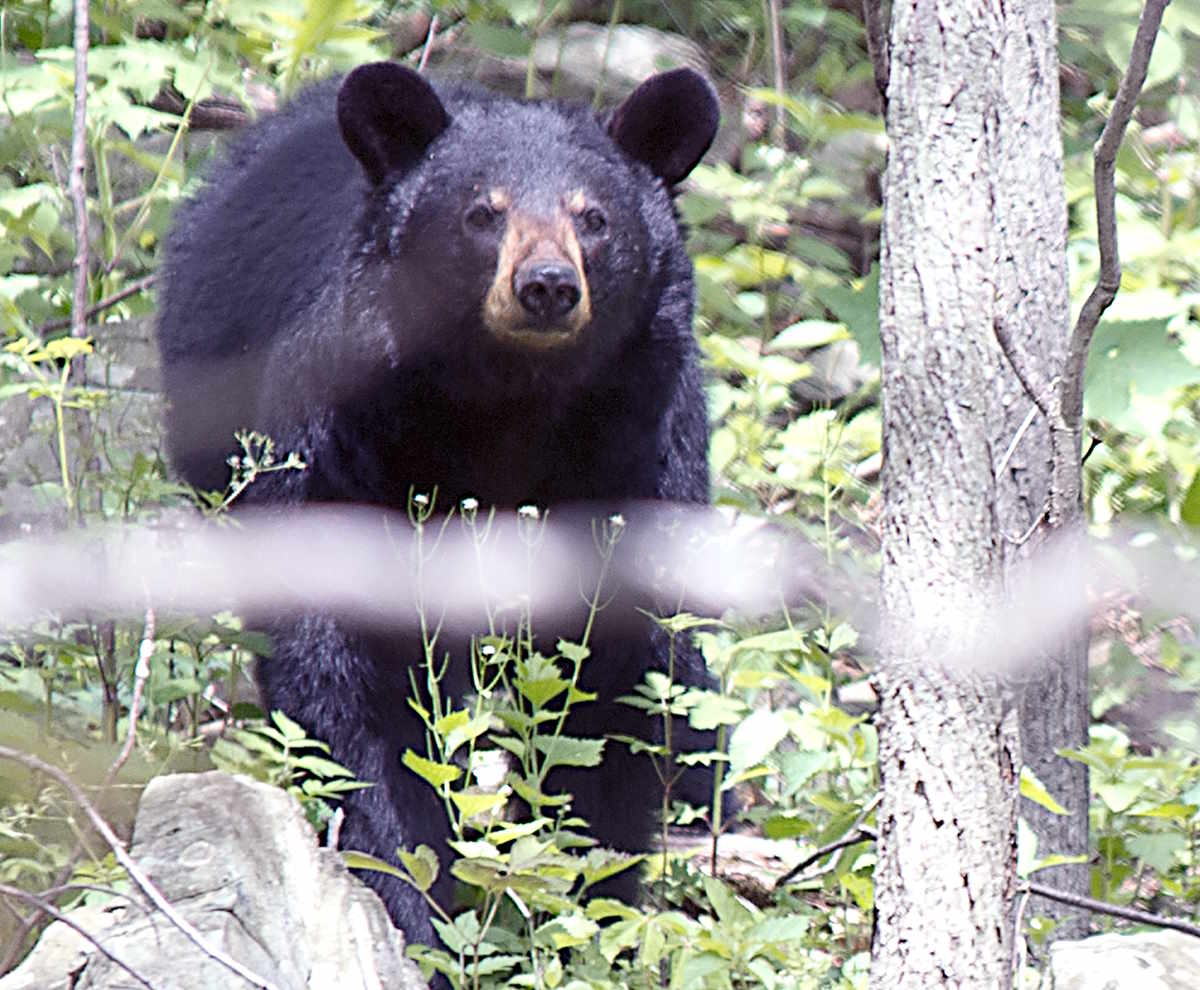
(547, 290)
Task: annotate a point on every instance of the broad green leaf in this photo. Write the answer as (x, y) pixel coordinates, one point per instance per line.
(755, 738)
(436, 774)
(806, 334)
(470, 804)
(569, 751)
(1118, 796)
(1128, 358)
(858, 309)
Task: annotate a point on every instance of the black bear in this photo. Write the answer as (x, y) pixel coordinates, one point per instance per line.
(412, 285)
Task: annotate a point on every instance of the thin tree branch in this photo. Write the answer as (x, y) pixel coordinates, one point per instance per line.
(877, 47)
(779, 130)
(1106, 219)
(1100, 907)
(433, 26)
(136, 874)
(141, 673)
(1039, 392)
(132, 289)
(858, 833)
(76, 184)
(45, 907)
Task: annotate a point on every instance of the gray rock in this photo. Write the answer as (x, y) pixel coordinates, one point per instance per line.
(1163, 960)
(238, 860)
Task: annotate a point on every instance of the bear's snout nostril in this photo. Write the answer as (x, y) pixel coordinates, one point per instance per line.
(547, 290)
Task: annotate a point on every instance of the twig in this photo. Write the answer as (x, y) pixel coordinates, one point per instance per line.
(433, 25)
(877, 47)
(779, 131)
(132, 289)
(76, 185)
(45, 907)
(1035, 390)
(857, 835)
(1021, 430)
(1106, 218)
(141, 673)
(136, 874)
(1100, 907)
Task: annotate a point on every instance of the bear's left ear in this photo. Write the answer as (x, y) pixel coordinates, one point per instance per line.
(668, 122)
(388, 115)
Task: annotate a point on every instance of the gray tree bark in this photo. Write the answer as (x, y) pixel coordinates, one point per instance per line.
(973, 291)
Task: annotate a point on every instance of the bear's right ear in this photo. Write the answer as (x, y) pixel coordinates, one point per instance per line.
(388, 115)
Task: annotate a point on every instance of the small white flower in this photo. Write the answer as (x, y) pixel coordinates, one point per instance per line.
(529, 512)
(469, 504)
(421, 500)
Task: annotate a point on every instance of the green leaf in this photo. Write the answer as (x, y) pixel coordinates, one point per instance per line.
(1160, 849)
(436, 774)
(322, 767)
(1128, 359)
(503, 41)
(1189, 510)
(568, 751)
(470, 805)
(1035, 791)
(292, 731)
(466, 730)
(1118, 796)
(365, 861)
(858, 309)
(572, 651)
(755, 738)
(708, 709)
(807, 334)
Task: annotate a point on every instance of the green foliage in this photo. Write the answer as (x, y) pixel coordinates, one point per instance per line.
(281, 753)
(788, 323)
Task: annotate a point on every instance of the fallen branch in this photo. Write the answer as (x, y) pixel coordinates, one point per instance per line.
(136, 874)
(45, 907)
(1115, 910)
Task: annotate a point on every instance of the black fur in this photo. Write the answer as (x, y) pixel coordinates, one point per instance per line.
(323, 288)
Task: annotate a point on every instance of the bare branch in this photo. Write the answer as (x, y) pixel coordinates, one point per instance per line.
(45, 907)
(1100, 907)
(877, 47)
(1106, 221)
(855, 834)
(136, 874)
(433, 26)
(779, 130)
(141, 673)
(76, 184)
(1037, 391)
(132, 289)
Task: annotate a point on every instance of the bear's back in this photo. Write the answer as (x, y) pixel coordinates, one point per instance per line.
(279, 203)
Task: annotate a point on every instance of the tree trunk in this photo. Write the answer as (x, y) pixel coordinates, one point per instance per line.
(973, 288)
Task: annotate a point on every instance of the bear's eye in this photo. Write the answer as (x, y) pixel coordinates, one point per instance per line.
(480, 217)
(594, 221)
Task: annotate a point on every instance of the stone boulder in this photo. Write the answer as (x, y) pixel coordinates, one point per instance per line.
(238, 859)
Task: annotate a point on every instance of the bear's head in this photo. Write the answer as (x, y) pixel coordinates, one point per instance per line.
(540, 232)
